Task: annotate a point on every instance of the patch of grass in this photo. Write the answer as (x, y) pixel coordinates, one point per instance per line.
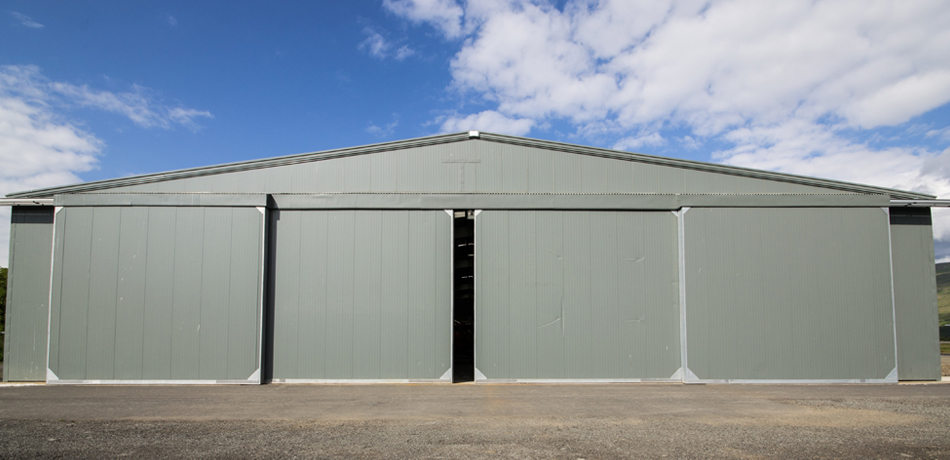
(944, 348)
(943, 292)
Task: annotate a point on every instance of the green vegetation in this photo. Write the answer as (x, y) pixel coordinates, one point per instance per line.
(943, 292)
(3, 306)
(945, 348)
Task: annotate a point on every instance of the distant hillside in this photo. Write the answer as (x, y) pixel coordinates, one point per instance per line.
(943, 292)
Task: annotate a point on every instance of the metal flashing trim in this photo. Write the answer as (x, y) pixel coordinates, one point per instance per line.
(26, 201)
(357, 381)
(447, 376)
(479, 377)
(794, 381)
(578, 381)
(890, 261)
(562, 201)
(50, 375)
(245, 165)
(257, 200)
(684, 371)
(261, 287)
(701, 166)
(921, 203)
(892, 375)
(151, 382)
(464, 136)
(474, 135)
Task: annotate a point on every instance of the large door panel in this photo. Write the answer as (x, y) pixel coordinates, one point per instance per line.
(361, 295)
(789, 294)
(157, 294)
(576, 295)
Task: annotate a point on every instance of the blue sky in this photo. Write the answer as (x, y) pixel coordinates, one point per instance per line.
(848, 90)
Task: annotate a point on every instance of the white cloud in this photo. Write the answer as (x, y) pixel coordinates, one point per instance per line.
(635, 142)
(26, 21)
(490, 121)
(446, 15)
(40, 147)
(377, 46)
(382, 131)
(403, 52)
(172, 21)
(793, 86)
(138, 105)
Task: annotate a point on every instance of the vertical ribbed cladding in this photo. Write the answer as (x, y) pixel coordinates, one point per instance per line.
(470, 166)
(361, 295)
(788, 294)
(31, 234)
(157, 294)
(577, 295)
(915, 296)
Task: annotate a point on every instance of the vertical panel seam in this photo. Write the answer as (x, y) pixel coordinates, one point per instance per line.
(171, 317)
(92, 237)
(890, 256)
(52, 273)
(681, 237)
(260, 288)
(118, 274)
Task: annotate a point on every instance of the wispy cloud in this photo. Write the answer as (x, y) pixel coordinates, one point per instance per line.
(171, 20)
(138, 105)
(798, 86)
(383, 131)
(378, 46)
(26, 21)
(39, 145)
(488, 120)
(446, 15)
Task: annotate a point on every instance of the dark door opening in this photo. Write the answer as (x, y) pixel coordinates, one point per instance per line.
(463, 277)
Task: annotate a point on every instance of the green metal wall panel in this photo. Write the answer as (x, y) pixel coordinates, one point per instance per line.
(361, 295)
(915, 294)
(788, 294)
(576, 295)
(156, 294)
(474, 167)
(24, 348)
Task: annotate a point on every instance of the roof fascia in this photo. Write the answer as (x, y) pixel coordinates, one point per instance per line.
(463, 136)
(704, 167)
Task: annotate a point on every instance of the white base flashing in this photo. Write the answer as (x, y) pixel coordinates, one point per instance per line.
(447, 376)
(255, 377)
(792, 382)
(479, 376)
(152, 382)
(358, 381)
(573, 381)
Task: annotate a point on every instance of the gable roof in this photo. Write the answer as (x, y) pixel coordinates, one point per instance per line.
(463, 137)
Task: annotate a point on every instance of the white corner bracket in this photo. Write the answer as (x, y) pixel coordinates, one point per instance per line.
(50, 376)
(447, 376)
(255, 376)
(474, 135)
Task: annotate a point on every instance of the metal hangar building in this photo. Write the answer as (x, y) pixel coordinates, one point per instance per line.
(470, 256)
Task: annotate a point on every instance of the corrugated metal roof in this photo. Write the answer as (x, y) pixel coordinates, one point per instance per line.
(462, 137)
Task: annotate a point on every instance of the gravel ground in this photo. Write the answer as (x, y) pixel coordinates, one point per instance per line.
(945, 365)
(477, 421)
(508, 438)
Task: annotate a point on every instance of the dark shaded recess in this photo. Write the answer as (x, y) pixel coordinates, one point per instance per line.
(463, 327)
(910, 216)
(270, 239)
(32, 215)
